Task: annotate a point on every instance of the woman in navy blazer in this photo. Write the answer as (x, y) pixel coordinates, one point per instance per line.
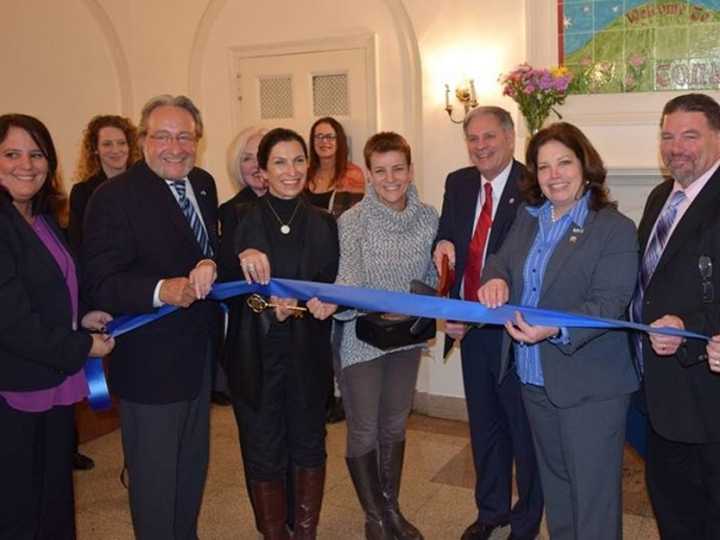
(41, 350)
(570, 249)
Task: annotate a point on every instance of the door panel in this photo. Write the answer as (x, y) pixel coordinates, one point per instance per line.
(293, 90)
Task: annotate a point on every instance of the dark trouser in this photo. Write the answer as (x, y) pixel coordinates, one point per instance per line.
(580, 454)
(286, 429)
(378, 396)
(36, 484)
(166, 452)
(499, 432)
(684, 484)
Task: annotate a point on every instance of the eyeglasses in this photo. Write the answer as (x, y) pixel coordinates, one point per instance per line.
(327, 137)
(705, 267)
(165, 138)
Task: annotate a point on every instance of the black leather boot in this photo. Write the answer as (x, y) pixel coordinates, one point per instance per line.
(391, 464)
(366, 479)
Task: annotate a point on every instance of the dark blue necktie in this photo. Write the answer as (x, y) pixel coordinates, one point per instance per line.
(650, 260)
(193, 218)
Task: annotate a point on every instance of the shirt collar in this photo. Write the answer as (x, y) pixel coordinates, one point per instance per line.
(498, 183)
(577, 214)
(695, 188)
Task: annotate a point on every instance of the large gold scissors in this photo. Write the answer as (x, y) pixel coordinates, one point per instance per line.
(258, 304)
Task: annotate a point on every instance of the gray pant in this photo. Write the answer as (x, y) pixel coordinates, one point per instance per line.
(378, 395)
(580, 452)
(166, 451)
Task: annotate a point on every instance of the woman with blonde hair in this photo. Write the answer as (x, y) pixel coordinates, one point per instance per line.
(243, 168)
(242, 165)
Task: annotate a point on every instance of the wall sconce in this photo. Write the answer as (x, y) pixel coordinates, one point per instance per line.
(465, 94)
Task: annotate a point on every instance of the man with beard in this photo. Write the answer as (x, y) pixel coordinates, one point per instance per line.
(680, 242)
(151, 234)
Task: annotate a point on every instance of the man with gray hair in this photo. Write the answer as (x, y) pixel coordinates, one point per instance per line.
(478, 209)
(151, 235)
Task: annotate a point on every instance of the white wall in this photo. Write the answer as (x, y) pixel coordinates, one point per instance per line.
(57, 66)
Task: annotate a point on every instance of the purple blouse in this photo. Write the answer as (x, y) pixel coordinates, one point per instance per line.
(74, 388)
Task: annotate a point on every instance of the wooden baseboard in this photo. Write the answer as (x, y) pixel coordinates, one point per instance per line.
(448, 407)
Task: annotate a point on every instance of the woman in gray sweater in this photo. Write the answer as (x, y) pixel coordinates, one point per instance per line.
(385, 242)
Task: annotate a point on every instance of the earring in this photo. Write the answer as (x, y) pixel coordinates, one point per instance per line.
(587, 182)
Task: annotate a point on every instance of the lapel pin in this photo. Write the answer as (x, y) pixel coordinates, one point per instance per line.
(573, 239)
(512, 200)
(578, 230)
(203, 193)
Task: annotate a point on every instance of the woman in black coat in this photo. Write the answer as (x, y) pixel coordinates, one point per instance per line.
(109, 147)
(277, 363)
(42, 352)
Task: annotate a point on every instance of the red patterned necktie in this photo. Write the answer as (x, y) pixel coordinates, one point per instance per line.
(473, 269)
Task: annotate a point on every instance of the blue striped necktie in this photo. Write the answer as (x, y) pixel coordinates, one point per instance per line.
(192, 217)
(650, 260)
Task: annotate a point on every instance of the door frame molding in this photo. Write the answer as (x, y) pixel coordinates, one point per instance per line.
(411, 75)
(363, 42)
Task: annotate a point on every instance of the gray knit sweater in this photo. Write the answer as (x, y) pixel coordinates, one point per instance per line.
(384, 249)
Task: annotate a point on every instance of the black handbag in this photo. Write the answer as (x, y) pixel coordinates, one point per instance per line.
(391, 330)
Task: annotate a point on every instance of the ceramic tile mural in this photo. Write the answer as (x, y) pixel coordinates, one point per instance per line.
(641, 45)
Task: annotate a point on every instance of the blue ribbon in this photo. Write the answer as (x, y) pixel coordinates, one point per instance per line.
(373, 300)
(99, 397)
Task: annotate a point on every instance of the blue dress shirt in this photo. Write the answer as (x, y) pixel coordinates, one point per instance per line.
(549, 234)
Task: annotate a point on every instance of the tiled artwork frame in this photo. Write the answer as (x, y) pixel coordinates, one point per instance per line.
(641, 45)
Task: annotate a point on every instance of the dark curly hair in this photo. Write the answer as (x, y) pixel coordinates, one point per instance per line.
(341, 151)
(89, 161)
(593, 170)
(50, 199)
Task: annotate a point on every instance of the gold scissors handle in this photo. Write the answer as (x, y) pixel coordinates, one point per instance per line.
(258, 304)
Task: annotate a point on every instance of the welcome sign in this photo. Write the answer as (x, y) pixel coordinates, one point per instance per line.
(641, 45)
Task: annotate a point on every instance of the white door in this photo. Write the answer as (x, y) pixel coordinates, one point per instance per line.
(293, 89)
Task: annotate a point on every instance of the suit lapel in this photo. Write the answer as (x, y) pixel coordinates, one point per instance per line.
(698, 211)
(651, 214)
(41, 255)
(529, 227)
(572, 241)
(202, 196)
(166, 204)
(468, 206)
(506, 210)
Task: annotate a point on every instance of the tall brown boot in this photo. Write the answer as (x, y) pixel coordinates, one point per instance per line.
(391, 464)
(270, 507)
(366, 479)
(309, 487)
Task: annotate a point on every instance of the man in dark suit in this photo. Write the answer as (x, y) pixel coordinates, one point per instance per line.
(150, 235)
(680, 241)
(478, 209)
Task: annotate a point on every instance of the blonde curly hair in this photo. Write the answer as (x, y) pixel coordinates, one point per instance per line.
(89, 161)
